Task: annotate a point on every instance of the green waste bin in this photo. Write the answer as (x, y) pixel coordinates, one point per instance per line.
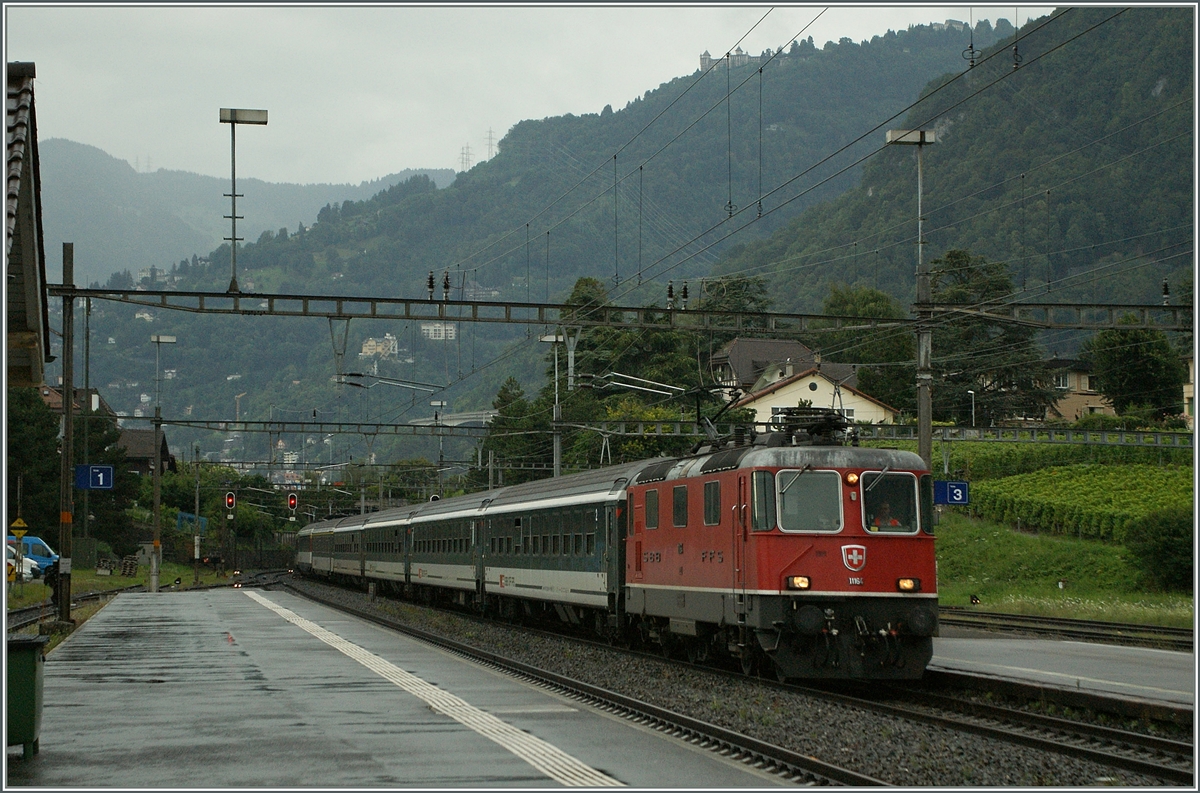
(26, 672)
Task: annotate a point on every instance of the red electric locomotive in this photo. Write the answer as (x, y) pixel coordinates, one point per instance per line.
(795, 551)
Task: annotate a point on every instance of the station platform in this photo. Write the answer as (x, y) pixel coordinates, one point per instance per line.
(1163, 677)
(247, 688)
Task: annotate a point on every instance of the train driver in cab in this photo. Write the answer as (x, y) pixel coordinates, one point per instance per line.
(884, 518)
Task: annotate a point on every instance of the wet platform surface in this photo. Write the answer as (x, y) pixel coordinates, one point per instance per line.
(1160, 676)
(247, 688)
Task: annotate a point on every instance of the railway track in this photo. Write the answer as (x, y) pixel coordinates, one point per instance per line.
(32, 615)
(1152, 756)
(1085, 630)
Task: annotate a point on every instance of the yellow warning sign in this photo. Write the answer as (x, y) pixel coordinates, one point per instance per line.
(12, 572)
(18, 533)
(19, 524)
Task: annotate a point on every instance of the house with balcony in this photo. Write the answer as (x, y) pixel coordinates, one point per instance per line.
(1075, 384)
(742, 362)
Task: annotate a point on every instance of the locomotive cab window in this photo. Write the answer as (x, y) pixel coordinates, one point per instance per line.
(762, 501)
(889, 502)
(810, 500)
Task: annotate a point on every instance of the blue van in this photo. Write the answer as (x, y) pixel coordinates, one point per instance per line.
(35, 548)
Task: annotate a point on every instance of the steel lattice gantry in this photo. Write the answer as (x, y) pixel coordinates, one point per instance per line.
(1041, 315)
(406, 309)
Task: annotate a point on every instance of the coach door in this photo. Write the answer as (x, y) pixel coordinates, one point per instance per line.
(478, 540)
(739, 538)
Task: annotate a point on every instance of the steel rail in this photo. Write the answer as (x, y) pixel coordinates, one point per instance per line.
(1153, 743)
(1109, 632)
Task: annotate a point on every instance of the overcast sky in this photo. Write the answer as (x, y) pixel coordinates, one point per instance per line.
(356, 93)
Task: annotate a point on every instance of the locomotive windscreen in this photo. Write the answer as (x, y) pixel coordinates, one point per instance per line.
(889, 502)
(810, 500)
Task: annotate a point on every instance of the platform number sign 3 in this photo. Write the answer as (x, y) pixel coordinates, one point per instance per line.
(951, 493)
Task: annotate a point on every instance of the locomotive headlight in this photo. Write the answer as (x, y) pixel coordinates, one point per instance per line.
(798, 582)
(908, 584)
(852, 478)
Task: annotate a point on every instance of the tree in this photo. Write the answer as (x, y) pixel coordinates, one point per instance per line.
(1136, 366)
(998, 361)
(887, 355)
(109, 521)
(517, 434)
(32, 458)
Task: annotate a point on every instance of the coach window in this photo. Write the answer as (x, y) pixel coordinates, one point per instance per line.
(679, 506)
(591, 545)
(651, 509)
(810, 500)
(762, 501)
(712, 503)
(578, 544)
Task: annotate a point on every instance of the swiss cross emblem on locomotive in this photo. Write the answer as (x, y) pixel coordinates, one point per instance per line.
(854, 557)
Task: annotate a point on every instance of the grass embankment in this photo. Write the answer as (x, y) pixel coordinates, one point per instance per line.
(1018, 573)
(35, 592)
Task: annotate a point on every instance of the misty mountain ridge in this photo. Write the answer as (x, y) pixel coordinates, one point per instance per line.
(122, 219)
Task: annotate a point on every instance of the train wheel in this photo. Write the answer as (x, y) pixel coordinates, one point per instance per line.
(668, 643)
(693, 650)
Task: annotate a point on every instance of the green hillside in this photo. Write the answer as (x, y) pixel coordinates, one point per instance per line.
(1074, 169)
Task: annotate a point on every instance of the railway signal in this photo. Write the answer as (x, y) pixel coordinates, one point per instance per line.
(230, 503)
(293, 502)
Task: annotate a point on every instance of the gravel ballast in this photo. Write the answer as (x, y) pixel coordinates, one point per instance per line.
(891, 749)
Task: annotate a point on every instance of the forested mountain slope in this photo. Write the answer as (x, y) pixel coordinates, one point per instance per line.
(1075, 168)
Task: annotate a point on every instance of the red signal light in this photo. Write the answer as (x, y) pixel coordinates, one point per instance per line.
(292, 501)
(230, 500)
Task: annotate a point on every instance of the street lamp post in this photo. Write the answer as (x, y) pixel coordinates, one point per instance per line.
(234, 116)
(920, 138)
(156, 555)
(972, 393)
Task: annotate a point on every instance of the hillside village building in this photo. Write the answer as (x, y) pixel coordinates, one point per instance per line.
(439, 331)
(387, 347)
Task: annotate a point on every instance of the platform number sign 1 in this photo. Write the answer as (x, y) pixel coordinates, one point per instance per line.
(93, 477)
(954, 493)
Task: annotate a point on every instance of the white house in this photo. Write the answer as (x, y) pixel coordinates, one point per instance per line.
(820, 389)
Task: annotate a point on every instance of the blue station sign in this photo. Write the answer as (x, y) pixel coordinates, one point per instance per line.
(93, 477)
(956, 493)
